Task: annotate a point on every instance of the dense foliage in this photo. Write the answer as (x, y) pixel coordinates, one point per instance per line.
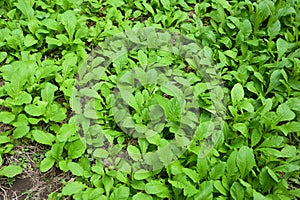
(254, 49)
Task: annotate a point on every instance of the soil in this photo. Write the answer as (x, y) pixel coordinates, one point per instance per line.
(31, 184)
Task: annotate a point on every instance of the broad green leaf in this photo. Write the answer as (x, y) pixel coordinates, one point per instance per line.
(29, 41)
(25, 7)
(256, 136)
(284, 113)
(231, 164)
(55, 112)
(274, 80)
(4, 139)
(294, 192)
(3, 55)
(100, 153)
(47, 92)
(76, 169)
(69, 20)
(121, 193)
(143, 196)
(265, 180)
(272, 141)
(53, 41)
(218, 186)
(237, 93)
(73, 188)
(46, 164)
(20, 99)
(115, 3)
(241, 127)
(36, 110)
(237, 191)
(218, 170)
(6, 117)
(76, 149)
(192, 174)
(65, 132)
(245, 160)
(134, 152)
(274, 29)
(51, 24)
(205, 191)
(108, 183)
(21, 131)
(166, 4)
(290, 127)
(142, 58)
(293, 103)
(10, 171)
(158, 188)
(141, 174)
(282, 47)
(43, 137)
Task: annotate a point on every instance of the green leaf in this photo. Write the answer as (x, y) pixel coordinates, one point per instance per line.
(46, 164)
(25, 7)
(141, 174)
(43, 137)
(166, 4)
(272, 141)
(10, 171)
(55, 112)
(51, 24)
(53, 41)
(20, 99)
(100, 153)
(293, 103)
(3, 55)
(274, 80)
(245, 160)
(218, 185)
(158, 188)
(65, 132)
(191, 174)
(290, 127)
(217, 171)
(36, 110)
(272, 174)
(47, 92)
(134, 152)
(73, 188)
(21, 131)
(284, 113)
(142, 196)
(108, 183)
(6, 117)
(241, 127)
(205, 191)
(76, 149)
(76, 169)
(237, 93)
(237, 191)
(274, 29)
(29, 41)
(282, 47)
(69, 20)
(142, 58)
(121, 193)
(4, 139)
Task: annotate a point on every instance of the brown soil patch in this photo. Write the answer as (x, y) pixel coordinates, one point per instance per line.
(31, 184)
